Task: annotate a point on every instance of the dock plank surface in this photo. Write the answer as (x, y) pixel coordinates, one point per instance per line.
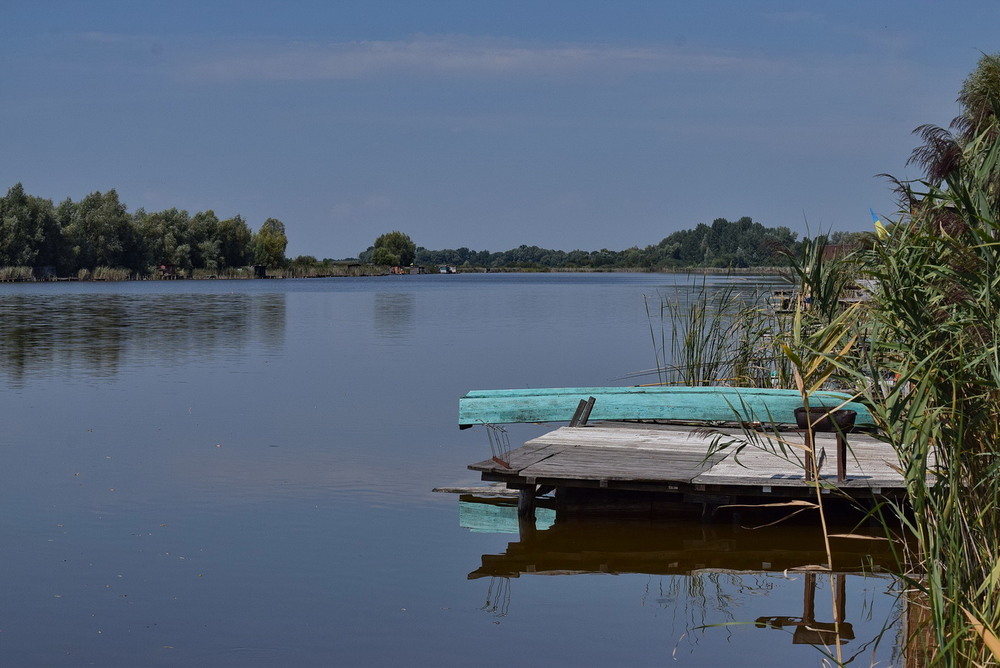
(624, 455)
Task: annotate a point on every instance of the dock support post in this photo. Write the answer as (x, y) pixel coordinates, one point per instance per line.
(526, 502)
(841, 457)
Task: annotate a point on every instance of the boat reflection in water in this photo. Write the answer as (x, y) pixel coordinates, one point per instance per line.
(699, 556)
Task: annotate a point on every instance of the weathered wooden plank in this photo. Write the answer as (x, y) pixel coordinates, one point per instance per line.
(526, 455)
(773, 467)
(608, 435)
(594, 463)
(646, 403)
(621, 454)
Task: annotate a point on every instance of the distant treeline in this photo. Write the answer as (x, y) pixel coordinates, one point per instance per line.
(98, 233)
(74, 238)
(743, 243)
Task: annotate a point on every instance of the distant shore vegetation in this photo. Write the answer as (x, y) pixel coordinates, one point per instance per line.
(740, 244)
(97, 238)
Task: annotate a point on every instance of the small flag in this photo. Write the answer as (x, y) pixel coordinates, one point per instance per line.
(879, 227)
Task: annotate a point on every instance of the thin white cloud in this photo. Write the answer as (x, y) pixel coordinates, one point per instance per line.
(455, 56)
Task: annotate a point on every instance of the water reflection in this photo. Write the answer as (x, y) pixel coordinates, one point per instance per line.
(98, 333)
(662, 547)
(809, 631)
(707, 571)
(393, 314)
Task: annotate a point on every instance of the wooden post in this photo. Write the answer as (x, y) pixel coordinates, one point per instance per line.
(526, 502)
(526, 529)
(841, 457)
(840, 591)
(809, 598)
(582, 413)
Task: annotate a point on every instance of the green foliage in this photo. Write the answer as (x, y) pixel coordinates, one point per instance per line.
(822, 283)
(935, 327)
(717, 336)
(384, 256)
(235, 238)
(30, 235)
(722, 244)
(269, 243)
(394, 248)
(979, 96)
(97, 237)
(100, 233)
(943, 151)
(924, 356)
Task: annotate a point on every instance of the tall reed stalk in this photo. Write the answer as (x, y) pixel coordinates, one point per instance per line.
(935, 326)
(718, 336)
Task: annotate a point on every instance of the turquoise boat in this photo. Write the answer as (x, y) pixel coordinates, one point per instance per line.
(674, 403)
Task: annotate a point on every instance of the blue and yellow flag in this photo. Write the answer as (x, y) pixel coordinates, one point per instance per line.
(879, 227)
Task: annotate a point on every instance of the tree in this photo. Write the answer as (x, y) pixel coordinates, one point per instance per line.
(165, 237)
(269, 244)
(30, 235)
(394, 246)
(383, 255)
(203, 229)
(947, 156)
(101, 233)
(942, 150)
(235, 242)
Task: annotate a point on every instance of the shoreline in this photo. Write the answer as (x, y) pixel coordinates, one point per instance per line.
(379, 272)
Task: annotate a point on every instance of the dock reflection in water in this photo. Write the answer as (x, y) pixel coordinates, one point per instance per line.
(698, 555)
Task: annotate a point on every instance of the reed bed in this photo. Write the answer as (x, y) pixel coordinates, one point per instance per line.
(11, 274)
(935, 327)
(720, 336)
(924, 356)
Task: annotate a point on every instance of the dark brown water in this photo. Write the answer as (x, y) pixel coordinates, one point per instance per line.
(240, 474)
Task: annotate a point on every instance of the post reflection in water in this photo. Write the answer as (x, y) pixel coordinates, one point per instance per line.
(695, 559)
(393, 314)
(96, 333)
(808, 631)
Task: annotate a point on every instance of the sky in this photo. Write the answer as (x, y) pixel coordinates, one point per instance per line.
(481, 123)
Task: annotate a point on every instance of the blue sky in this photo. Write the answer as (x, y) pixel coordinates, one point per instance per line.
(481, 123)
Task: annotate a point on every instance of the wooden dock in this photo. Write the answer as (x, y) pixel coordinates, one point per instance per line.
(673, 460)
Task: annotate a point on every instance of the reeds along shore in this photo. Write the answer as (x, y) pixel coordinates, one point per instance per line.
(923, 354)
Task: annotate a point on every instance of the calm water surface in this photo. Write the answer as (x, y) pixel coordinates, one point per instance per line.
(239, 473)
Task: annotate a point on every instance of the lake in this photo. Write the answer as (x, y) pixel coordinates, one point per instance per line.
(240, 473)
